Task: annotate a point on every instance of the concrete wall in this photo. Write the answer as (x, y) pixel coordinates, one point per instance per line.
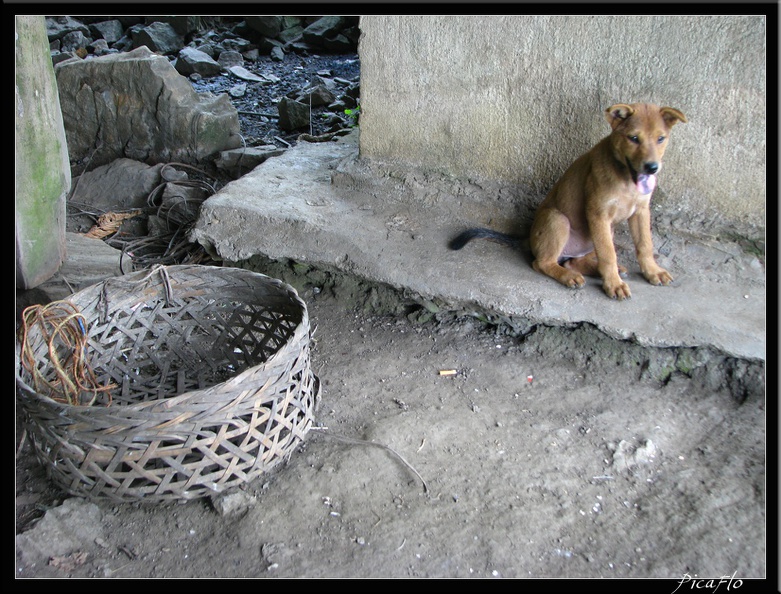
(42, 173)
(517, 98)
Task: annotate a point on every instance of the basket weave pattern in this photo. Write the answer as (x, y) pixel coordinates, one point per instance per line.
(213, 386)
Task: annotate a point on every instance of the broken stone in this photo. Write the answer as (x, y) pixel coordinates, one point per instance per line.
(277, 54)
(121, 185)
(317, 95)
(338, 43)
(136, 105)
(64, 529)
(292, 114)
(208, 48)
(73, 41)
(626, 455)
(182, 25)
(230, 58)
(58, 27)
(233, 502)
(244, 74)
(237, 44)
(191, 60)
(159, 37)
(58, 57)
(325, 27)
(238, 90)
(292, 34)
(268, 26)
(240, 161)
(110, 31)
(99, 47)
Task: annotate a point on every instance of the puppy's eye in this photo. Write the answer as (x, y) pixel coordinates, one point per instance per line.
(661, 139)
(634, 139)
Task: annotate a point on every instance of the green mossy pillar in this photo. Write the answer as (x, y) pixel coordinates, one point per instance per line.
(42, 169)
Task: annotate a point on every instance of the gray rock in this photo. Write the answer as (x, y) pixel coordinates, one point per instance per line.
(318, 95)
(74, 40)
(58, 57)
(237, 44)
(302, 47)
(58, 27)
(338, 43)
(353, 34)
(111, 31)
(99, 47)
(159, 37)
(183, 25)
(89, 262)
(292, 114)
(268, 26)
(191, 60)
(291, 34)
(136, 105)
(627, 455)
(325, 27)
(244, 74)
(73, 525)
(125, 43)
(238, 90)
(209, 49)
(277, 54)
(121, 185)
(242, 160)
(233, 502)
(291, 21)
(230, 58)
(267, 45)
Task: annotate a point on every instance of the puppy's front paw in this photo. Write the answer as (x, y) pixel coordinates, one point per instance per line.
(617, 290)
(573, 280)
(659, 277)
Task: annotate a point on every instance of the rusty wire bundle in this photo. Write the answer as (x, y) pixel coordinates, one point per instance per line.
(67, 375)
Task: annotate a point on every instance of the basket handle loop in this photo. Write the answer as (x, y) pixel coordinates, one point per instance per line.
(103, 299)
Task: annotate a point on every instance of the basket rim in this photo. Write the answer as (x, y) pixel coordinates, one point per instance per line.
(301, 331)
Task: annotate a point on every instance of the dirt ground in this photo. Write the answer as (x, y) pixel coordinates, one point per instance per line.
(540, 457)
(558, 454)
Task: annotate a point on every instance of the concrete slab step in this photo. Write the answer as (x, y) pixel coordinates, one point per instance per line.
(290, 208)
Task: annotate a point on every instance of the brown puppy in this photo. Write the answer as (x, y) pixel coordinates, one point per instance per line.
(572, 234)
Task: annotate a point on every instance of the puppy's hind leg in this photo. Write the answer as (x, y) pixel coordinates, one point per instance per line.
(588, 265)
(549, 235)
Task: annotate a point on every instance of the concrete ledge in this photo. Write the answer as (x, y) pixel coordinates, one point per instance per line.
(289, 208)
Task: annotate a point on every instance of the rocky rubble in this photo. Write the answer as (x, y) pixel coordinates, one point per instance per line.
(216, 94)
(284, 75)
(251, 36)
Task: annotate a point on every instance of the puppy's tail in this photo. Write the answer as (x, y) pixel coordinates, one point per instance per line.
(478, 233)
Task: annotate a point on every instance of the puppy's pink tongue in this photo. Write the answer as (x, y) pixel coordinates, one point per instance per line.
(646, 183)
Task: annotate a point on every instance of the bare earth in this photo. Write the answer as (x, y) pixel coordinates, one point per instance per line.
(540, 457)
(521, 464)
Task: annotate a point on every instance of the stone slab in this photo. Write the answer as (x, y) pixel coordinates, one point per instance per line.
(290, 208)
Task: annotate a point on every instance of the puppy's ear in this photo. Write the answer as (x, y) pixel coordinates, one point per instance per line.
(672, 116)
(616, 114)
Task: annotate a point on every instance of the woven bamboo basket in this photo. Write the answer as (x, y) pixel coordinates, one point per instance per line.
(213, 385)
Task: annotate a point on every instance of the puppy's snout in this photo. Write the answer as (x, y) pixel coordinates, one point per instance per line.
(651, 167)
